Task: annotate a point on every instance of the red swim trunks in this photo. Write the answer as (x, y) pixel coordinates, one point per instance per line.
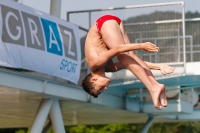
(104, 18)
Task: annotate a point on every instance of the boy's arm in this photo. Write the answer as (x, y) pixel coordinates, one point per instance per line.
(153, 65)
(102, 59)
(165, 69)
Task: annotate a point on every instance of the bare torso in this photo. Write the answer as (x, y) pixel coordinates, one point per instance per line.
(94, 45)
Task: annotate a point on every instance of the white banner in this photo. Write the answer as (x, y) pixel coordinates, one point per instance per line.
(34, 40)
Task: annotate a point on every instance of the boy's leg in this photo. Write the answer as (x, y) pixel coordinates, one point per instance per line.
(163, 98)
(112, 36)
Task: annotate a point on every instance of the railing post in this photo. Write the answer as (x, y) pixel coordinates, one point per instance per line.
(191, 49)
(183, 25)
(88, 69)
(178, 47)
(192, 95)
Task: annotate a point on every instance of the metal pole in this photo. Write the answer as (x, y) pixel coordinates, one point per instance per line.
(68, 16)
(191, 49)
(55, 8)
(178, 46)
(156, 53)
(192, 96)
(127, 7)
(56, 117)
(184, 51)
(141, 100)
(41, 116)
(147, 124)
(88, 69)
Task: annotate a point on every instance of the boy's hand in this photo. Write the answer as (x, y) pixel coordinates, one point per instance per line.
(166, 69)
(150, 47)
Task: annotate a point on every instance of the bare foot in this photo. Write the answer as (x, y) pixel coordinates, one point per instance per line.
(158, 96)
(163, 98)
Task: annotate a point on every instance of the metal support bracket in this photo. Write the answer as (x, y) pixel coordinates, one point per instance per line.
(147, 124)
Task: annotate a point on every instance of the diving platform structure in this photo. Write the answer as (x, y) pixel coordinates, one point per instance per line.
(29, 100)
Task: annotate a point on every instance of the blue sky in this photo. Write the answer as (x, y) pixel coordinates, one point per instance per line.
(72, 5)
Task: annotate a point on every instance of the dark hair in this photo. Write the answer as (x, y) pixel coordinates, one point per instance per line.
(88, 86)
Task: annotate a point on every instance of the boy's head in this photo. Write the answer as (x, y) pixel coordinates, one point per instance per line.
(94, 85)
